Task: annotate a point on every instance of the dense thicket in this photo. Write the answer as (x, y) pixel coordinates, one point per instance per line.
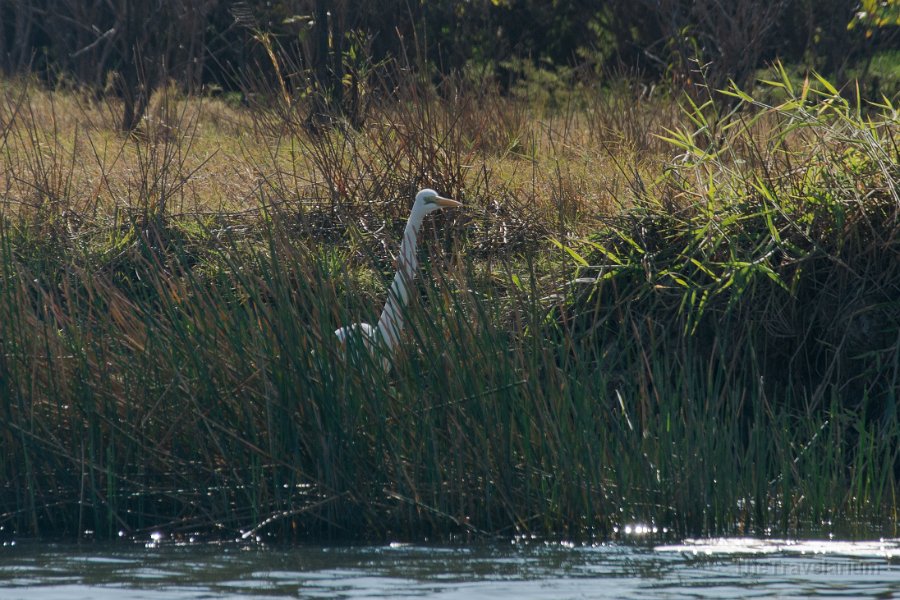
(129, 47)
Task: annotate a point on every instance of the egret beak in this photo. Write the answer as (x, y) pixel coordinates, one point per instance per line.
(446, 202)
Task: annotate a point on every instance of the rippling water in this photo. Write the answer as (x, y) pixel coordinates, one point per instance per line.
(717, 568)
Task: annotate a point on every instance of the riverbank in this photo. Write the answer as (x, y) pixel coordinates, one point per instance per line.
(650, 310)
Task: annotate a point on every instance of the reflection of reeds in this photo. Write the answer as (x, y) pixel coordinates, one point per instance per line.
(725, 359)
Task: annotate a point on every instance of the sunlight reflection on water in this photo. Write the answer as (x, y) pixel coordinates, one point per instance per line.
(742, 546)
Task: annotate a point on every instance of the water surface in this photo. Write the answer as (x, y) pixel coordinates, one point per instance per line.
(719, 568)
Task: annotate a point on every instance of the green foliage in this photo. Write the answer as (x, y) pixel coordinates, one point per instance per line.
(735, 238)
(875, 14)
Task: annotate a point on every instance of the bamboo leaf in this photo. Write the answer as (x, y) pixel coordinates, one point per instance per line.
(571, 252)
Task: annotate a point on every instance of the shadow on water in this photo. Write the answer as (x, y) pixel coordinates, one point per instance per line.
(701, 568)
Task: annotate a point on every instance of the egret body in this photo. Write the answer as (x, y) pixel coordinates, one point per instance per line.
(385, 336)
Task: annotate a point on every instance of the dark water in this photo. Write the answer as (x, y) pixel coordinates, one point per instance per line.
(725, 568)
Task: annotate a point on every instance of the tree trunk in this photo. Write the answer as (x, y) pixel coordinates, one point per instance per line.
(327, 66)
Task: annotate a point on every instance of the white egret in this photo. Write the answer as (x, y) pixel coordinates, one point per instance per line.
(384, 337)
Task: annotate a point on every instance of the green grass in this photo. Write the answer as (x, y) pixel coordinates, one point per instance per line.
(698, 330)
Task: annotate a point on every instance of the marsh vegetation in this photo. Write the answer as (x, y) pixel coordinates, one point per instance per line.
(655, 307)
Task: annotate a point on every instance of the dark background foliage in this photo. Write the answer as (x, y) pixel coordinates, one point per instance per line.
(129, 47)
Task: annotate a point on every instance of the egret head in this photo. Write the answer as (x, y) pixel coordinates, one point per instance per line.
(428, 201)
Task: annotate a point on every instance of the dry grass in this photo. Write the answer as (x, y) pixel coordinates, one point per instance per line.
(61, 152)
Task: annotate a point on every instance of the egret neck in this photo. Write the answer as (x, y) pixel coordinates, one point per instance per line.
(391, 321)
